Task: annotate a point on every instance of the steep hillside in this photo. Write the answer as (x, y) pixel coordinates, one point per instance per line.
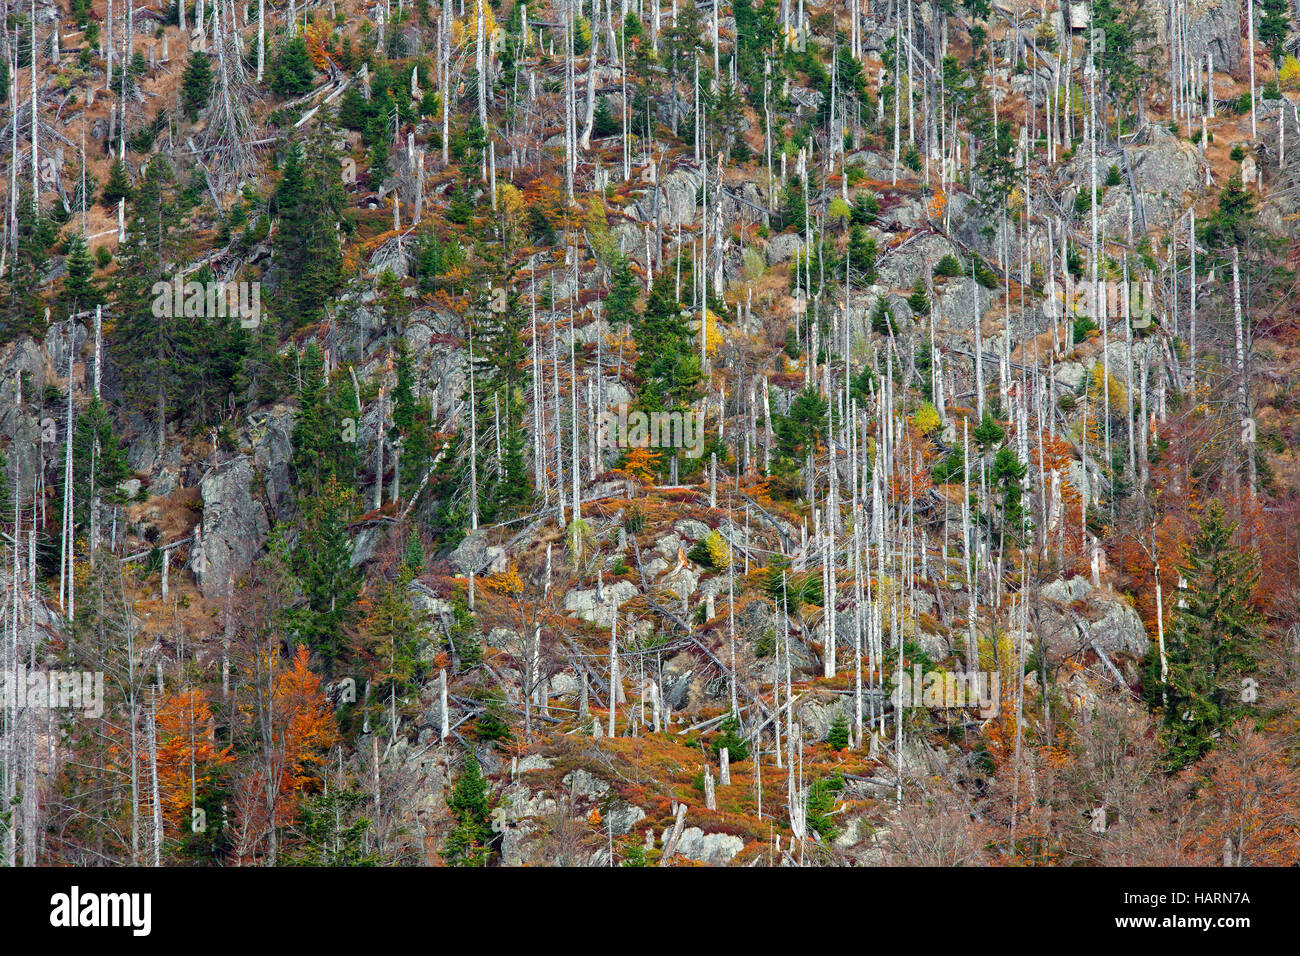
(746, 433)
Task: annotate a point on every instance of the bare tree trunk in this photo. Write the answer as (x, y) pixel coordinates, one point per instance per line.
(1250, 55)
(261, 34)
(1191, 345)
(444, 729)
(614, 677)
(473, 440)
(570, 121)
(481, 65)
(153, 782)
(36, 179)
(670, 845)
(590, 115)
(108, 47)
(1243, 389)
(444, 51)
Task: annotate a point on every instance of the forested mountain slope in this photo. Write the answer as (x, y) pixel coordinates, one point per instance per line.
(757, 432)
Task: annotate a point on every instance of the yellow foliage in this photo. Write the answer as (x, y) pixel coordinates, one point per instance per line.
(511, 199)
(926, 419)
(1114, 390)
(887, 593)
(712, 336)
(513, 207)
(466, 31)
(1288, 76)
(619, 339)
(506, 582)
(597, 227)
(719, 550)
(580, 535)
(839, 210)
(1000, 657)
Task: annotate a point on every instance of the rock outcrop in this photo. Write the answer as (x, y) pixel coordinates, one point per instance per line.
(233, 529)
(1075, 617)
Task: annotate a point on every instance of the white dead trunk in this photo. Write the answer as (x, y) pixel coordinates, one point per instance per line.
(261, 34)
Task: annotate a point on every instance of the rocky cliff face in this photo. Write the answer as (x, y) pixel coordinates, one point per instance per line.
(1214, 29)
(233, 529)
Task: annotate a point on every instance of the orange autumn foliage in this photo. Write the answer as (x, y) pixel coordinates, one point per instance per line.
(1250, 797)
(299, 732)
(935, 207)
(307, 727)
(640, 465)
(1056, 454)
(760, 490)
(1000, 736)
(507, 582)
(317, 47)
(917, 451)
(1197, 466)
(187, 755)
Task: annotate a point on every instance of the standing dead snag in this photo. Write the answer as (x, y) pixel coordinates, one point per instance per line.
(670, 844)
(230, 158)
